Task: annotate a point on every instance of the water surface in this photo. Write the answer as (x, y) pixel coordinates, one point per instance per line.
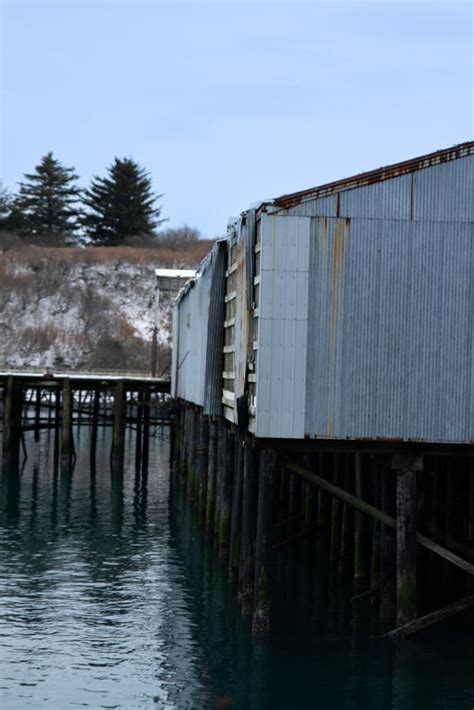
(111, 598)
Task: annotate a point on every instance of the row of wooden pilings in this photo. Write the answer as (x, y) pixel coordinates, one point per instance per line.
(62, 414)
(362, 514)
(225, 476)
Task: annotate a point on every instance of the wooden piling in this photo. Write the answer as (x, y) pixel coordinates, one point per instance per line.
(67, 439)
(308, 497)
(139, 432)
(295, 516)
(449, 525)
(346, 558)
(323, 514)
(146, 403)
(202, 463)
(388, 548)
(283, 494)
(95, 424)
(249, 513)
(175, 453)
(37, 413)
(12, 411)
(211, 477)
(227, 481)
(336, 518)
(470, 581)
(376, 469)
(236, 515)
(57, 429)
(192, 453)
(118, 440)
(406, 468)
(263, 546)
(220, 466)
(182, 444)
(361, 529)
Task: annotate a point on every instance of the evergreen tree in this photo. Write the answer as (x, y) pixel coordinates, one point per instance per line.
(122, 204)
(5, 205)
(48, 199)
(11, 218)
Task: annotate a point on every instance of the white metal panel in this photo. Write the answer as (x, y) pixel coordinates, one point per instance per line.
(174, 352)
(193, 320)
(282, 336)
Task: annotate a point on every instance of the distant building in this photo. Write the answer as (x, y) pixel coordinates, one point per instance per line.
(172, 280)
(341, 312)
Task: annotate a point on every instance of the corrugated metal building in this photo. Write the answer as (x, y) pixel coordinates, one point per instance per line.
(197, 357)
(348, 309)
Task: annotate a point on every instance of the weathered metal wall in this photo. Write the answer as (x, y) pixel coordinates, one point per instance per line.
(358, 300)
(390, 334)
(440, 192)
(215, 332)
(198, 359)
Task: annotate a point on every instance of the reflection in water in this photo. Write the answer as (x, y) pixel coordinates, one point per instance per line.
(93, 610)
(111, 597)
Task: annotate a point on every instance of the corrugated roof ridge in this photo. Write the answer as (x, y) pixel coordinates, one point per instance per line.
(387, 172)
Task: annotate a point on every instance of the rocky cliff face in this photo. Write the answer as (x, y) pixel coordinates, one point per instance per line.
(89, 309)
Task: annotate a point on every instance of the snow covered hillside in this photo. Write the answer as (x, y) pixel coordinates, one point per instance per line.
(85, 308)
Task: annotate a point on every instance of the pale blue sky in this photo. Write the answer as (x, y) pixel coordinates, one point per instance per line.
(226, 103)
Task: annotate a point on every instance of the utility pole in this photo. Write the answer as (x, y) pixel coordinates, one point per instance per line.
(154, 343)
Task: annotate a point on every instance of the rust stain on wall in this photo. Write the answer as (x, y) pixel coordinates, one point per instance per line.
(338, 247)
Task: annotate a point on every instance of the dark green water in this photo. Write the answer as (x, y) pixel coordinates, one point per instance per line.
(110, 598)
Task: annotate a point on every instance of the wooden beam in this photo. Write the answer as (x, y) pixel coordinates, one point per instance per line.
(429, 619)
(378, 515)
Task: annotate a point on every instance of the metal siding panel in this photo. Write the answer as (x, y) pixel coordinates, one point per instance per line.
(174, 353)
(250, 233)
(318, 345)
(394, 360)
(297, 200)
(277, 361)
(215, 333)
(389, 199)
(282, 335)
(438, 193)
(445, 192)
(242, 315)
(192, 334)
(263, 413)
(320, 207)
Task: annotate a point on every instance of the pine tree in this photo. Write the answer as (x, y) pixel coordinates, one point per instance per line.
(121, 205)
(5, 205)
(48, 199)
(11, 218)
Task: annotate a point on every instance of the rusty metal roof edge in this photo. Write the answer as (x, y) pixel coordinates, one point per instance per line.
(378, 175)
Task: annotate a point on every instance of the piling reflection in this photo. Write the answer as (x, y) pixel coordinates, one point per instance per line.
(112, 595)
(86, 572)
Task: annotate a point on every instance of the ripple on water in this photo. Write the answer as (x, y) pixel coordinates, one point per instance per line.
(110, 599)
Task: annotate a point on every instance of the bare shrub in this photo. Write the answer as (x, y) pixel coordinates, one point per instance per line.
(88, 308)
(179, 236)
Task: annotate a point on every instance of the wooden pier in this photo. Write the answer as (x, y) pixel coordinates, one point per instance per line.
(381, 525)
(59, 400)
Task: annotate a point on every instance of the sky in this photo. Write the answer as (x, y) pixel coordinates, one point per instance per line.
(227, 103)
